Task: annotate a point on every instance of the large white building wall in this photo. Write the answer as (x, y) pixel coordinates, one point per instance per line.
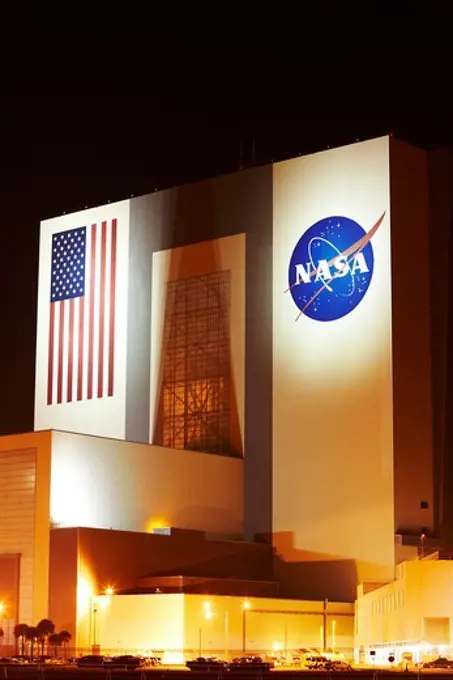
(332, 399)
(107, 483)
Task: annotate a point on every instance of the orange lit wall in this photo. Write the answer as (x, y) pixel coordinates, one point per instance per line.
(24, 518)
(415, 609)
(333, 510)
(84, 562)
(107, 483)
(142, 623)
(63, 578)
(190, 624)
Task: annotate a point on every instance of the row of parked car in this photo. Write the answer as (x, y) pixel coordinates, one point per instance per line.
(126, 661)
(441, 663)
(243, 663)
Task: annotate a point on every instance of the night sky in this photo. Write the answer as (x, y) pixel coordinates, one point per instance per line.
(65, 153)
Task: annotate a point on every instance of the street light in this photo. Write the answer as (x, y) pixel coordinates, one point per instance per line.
(245, 608)
(109, 591)
(94, 606)
(227, 634)
(2, 611)
(208, 615)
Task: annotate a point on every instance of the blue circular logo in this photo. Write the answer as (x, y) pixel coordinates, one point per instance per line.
(331, 268)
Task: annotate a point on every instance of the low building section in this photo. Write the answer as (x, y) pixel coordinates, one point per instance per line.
(411, 617)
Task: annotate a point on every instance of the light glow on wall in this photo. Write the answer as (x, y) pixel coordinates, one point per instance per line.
(157, 523)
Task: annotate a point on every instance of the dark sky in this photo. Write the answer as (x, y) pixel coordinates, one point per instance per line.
(63, 153)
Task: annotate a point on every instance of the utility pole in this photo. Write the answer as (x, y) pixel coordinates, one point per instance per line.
(324, 628)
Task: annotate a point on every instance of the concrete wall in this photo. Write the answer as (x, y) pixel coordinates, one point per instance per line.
(84, 562)
(173, 220)
(264, 625)
(333, 515)
(63, 579)
(191, 624)
(142, 623)
(24, 522)
(234, 209)
(440, 170)
(411, 341)
(111, 484)
(408, 613)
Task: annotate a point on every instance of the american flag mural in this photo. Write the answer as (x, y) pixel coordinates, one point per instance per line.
(81, 342)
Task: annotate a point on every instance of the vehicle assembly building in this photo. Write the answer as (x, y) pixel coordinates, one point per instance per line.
(240, 389)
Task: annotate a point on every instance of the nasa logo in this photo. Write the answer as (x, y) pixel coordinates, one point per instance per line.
(331, 268)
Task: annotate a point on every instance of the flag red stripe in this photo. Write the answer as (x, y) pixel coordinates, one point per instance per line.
(102, 310)
(60, 354)
(112, 309)
(80, 350)
(70, 348)
(91, 311)
(50, 357)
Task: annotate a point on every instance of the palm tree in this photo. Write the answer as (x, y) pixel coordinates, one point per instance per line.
(32, 635)
(20, 632)
(45, 628)
(65, 637)
(55, 640)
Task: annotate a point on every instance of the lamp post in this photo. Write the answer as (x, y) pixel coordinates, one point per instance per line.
(2, 610)
(227, 633)
(245, 609)
(95, 611)
(208, 615)
(333, 636)
(324, 627)
(94, 602)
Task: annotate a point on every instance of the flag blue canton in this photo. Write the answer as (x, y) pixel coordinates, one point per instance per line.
(68, 265)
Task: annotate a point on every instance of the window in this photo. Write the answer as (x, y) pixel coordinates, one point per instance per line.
(424, 505)
(196, 373)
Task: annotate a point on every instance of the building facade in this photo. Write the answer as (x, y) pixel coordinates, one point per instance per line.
(254, 356)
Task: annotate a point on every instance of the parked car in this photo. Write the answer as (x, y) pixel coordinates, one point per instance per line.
(127, 661)
(440, 662)
(252, 663)
(205, 664)
(91, 661)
